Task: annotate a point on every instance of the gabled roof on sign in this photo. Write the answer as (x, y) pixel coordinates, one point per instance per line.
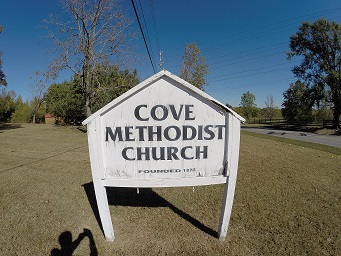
(149, 81)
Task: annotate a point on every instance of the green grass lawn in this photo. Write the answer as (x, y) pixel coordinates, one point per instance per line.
(288, 202)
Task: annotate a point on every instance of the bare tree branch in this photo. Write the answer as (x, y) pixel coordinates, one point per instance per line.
(94, 33)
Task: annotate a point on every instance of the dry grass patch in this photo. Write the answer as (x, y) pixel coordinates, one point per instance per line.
(288, 202)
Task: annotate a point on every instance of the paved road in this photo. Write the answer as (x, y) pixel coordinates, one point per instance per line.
(330, 140)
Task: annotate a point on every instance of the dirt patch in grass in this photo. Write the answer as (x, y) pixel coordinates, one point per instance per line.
(288, 202)
(6, 126)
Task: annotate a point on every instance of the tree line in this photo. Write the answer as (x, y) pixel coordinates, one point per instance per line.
(248, 108)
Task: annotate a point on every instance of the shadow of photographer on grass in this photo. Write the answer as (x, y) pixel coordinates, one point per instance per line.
(68, 246)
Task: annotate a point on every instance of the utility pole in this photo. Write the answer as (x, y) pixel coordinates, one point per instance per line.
(161, 63)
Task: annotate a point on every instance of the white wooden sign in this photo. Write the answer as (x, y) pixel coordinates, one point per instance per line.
(163, 133)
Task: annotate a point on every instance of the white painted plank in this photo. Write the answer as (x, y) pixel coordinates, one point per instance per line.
(180, 182)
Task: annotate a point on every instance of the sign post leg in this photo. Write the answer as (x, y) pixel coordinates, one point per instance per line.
(226, 210)
(103, 209)
(229, 189)
(101, 194)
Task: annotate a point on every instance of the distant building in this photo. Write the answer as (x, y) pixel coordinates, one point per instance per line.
(49, 119)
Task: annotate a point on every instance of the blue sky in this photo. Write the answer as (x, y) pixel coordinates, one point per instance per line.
(244, 42)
